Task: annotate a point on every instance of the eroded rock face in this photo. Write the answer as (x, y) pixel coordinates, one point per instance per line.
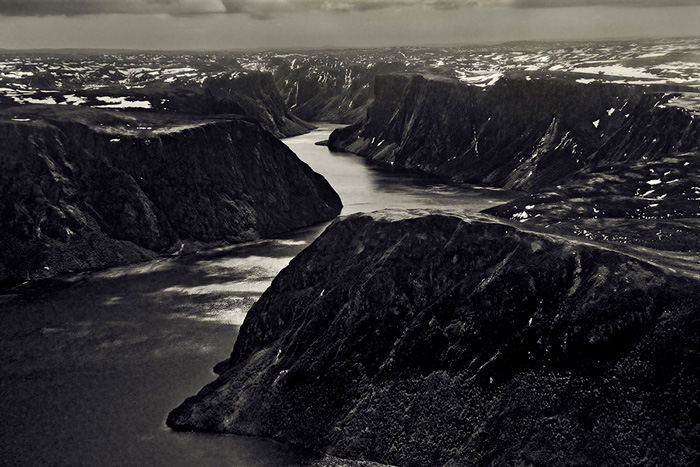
(83, 188)
(252, 94)
(334, 91)
(523, 133)
(412, 338)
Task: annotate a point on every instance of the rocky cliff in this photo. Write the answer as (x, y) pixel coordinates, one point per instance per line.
(413, 338)
(83, 188)
(524, 132)
(247, 93)
(329, 90)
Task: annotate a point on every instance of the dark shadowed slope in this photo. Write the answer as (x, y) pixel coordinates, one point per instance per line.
(83, 188)
(413, 338)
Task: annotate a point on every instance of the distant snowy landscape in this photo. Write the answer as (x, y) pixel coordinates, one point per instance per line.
(74, 79)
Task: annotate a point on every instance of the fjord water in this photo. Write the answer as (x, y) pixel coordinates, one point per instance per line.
(364, 187)
(93, 362)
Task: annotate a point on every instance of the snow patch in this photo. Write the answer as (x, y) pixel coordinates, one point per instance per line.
(121, 103)
(616, 70)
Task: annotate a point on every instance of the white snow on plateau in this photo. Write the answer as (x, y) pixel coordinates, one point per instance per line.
(480, 80)
(121, 103)
(616, 70)
(652, 55)
(32, 100)
(72, 99)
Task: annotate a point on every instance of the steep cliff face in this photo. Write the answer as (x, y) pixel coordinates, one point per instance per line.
(524, 132)
(85, 188)
(412, 338)
(274, 110)
(331, 91)
(252, 94)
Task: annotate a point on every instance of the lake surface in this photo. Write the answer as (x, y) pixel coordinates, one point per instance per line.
(92, 363)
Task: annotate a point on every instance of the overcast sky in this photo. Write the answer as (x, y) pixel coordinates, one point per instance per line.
(265, 24)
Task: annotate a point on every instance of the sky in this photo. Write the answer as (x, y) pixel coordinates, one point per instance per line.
(285, 24)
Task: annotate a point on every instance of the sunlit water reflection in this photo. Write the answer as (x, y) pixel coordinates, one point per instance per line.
(93, 362)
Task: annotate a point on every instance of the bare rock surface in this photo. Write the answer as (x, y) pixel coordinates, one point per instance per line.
(653, 203)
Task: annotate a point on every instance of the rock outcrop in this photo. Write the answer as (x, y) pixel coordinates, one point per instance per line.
(83, 188)
(255, 95)
(524, 132)
(412, 338)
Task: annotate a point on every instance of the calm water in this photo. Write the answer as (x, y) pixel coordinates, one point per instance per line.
(92, 363)
(364, 187)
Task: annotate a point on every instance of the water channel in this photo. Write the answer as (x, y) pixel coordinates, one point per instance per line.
(93, 362)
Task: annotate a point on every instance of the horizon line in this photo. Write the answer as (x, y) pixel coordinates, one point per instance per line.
(90, 50)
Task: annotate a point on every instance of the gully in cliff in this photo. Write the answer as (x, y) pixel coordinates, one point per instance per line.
(525, 132)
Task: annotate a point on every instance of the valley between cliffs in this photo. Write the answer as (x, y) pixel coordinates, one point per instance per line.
(561, 333)
(560, 328)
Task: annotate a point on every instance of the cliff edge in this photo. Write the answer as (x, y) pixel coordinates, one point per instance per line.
(414, 338)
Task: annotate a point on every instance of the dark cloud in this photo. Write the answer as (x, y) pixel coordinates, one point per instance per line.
(578, 3)
(263, 9)
(317, 28)
(255, 8)
(91, 7)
